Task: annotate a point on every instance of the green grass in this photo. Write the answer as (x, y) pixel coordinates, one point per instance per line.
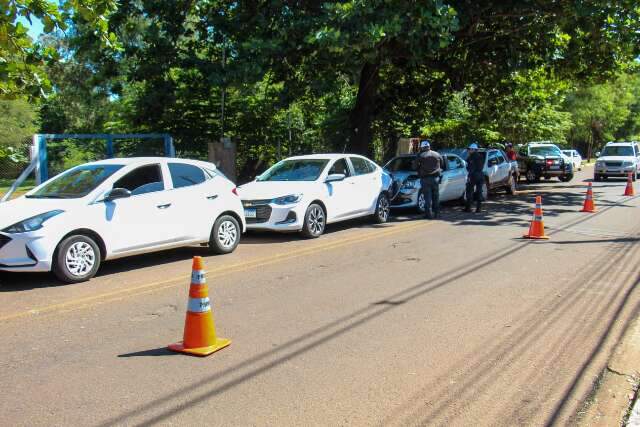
(5, 184)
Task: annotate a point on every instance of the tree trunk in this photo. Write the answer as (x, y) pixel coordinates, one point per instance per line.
(361, 117)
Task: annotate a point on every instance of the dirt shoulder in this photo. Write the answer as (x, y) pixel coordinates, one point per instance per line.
(615, 392)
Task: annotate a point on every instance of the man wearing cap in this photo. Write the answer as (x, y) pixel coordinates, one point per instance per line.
(475, 180)
(430, 166)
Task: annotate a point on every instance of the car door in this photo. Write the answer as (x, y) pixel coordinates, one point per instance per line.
(340, 195)
(454, 179)
(503, 167)
(144, 219)
(367, 184)
(196, 200)
(492, 169)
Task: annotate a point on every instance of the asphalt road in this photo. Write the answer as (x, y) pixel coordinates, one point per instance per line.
(449, 322)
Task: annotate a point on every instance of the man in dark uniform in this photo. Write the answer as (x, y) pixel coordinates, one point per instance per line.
(430, 166)
(475, 181)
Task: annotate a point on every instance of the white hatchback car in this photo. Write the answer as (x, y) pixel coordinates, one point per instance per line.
(575, 158)
(305, 193)
(118, 207)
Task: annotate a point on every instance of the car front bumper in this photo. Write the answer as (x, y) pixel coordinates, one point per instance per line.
(406, 198)
(272, 217)
(25, 252)
(621, 171)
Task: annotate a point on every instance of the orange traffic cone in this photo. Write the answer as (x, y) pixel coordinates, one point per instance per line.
(199, 330)
(589, 206)
(536, 229)
(629, 190)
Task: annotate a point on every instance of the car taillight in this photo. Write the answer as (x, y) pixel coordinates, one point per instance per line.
(549, 162)
(235, 191)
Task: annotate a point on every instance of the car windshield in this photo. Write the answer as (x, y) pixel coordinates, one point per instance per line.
(295, 170)
(75, 183)
(617, 150)
(544, 150)
(402, 164)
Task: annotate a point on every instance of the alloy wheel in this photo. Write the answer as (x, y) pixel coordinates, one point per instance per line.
(421, 202)
(316, 220)
(383, 208)
(227, 234)
(80, 259)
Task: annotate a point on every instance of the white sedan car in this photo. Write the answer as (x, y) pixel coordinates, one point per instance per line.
(574, 157)
(118, 207)
(304, 194)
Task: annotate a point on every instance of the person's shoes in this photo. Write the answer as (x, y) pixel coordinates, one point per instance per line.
(478, 210)
(467, 209)
(428, 216)
(436, 214)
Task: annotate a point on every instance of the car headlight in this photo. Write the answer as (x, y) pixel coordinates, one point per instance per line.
(599, 163)
(31, 224)
(410, 184)
(287, 200)
(627, 163)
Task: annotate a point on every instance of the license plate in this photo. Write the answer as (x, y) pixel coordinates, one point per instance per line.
(554, 167)
(250, 213)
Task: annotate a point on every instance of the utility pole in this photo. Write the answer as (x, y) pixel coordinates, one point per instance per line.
(289, 126)
(224, 87)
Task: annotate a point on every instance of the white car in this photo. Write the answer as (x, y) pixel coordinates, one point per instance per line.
(305, 193)
(617, 160)
(574, 157)
(118, 207)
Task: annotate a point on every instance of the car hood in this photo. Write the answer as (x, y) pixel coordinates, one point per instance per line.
(22, 208)
(261, 190)
(400, 176)
(616, 159)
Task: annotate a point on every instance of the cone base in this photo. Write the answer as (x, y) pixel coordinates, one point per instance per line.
(528, 236)
(588, 210)
(200, 351)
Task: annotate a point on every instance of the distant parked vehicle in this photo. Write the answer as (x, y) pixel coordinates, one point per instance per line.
(408, 192)
(305, 193)
(618, 159)
(115, 208)
(499, 172)
(575, 158)
(543, 159)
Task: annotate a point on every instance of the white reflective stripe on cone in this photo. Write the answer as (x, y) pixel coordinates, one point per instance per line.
(197, 277)
(537, 218)
(198, 305)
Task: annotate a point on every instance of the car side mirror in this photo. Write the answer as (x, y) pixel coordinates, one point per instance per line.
(117, 193)
(335, 177)
(597, 154)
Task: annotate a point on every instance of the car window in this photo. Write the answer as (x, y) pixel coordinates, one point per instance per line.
(76, 182)
(372, 166)
(453, 162)
(183, 175)
(618, 150)
(295, 170)
(142, 180)
(340, 166)
(500, 158)
(404, 164)
(360, 166)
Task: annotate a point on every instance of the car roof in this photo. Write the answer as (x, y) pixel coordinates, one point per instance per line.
(324, 156)
(126, 161)
(620, 143)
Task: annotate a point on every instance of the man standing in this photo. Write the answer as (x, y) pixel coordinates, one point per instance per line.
(430, 169)
(475, 181)
(511, 153)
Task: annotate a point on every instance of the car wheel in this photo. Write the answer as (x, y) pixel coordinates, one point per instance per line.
(485, 191)
(76, 259)
(225, 235)
(566, 178)
(421, 203)
(383, 209)
(597, 178)
(315, 220)
(512, 185)
(531, 176)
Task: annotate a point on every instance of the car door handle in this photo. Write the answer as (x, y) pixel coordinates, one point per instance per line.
(212, 197)
(165, 206)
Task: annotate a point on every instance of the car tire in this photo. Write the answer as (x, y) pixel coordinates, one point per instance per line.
(421, 203)
(225, 235)
(566, 178)
(597, 178)
(383, 209)
(76, 259)
(315, 220)
(531, 176)
(512, 185)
